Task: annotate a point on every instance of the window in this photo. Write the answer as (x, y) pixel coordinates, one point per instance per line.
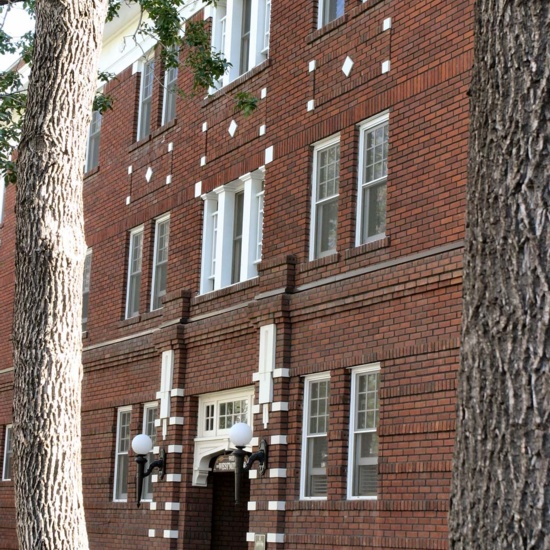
(8, 454)
(233, 215)
(326, 176)
(373, 172)
(121, 459)
(86, 289)
(2, 195)
(92, 148)
(240, 31)
(134, 272)
(329, 10)
(145, 99)
(363, 445)
(315, 441)
(149, 417)
(160, 261)
(170, 94)
(219, 411)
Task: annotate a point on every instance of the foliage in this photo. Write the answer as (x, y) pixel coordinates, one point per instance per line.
(246, 103)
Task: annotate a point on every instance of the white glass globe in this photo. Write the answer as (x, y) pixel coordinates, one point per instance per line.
(240, 434)
(142, 444)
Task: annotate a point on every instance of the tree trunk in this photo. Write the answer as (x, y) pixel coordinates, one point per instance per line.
(50, 250)
(501, 485)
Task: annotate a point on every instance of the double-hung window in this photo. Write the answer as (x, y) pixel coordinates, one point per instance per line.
(329, 10)
(146, 98)
(160, 261)
(149, 417)
(363, 444)
(8, 454)
(86, 288)
(121, 454)
(240, 31)
(232, 232)
(315, 437)
(325, 191)
(170, 94)
(92, 148)
(134, 272)
(373, 174)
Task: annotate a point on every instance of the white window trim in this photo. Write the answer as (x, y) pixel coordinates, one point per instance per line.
(303, 469)
(129, 274)
(92, 138)
(169, 94)
(120, 411)
(158, 221)
(8, 438)
(317, 147)
(222, 201)
(86, 281)
(364, 127)
(229, 43)
(355, 371)
(149, 58)
(215, 399)
(147, 407)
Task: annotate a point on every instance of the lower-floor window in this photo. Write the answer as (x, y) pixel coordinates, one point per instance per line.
(8, 454)
(364, 414)
(121, 458)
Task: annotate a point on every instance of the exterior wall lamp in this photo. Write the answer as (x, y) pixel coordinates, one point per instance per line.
(240, 435)
(142, 445)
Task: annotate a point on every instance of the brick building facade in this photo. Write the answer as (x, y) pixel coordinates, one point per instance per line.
(299, 269)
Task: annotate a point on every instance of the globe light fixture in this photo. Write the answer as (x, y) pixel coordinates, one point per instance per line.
(240, 435)
(143, 445)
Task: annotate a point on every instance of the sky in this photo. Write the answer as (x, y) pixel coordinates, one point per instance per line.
(16, 23)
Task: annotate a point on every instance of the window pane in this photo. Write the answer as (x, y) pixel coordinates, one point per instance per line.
(316, 483)
(237, 238)
(134, 274)
(327, 225)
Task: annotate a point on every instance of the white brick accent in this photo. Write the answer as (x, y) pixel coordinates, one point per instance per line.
(252, 474)
(385, 67)
(174, 506)
(204, 126)
(276, 537)
(281, 373)
(198, 189)
(312, 65)
(278, 440)
(255, 408)
(176, 420)
(168, 179)
(251, 506)
(269, 155)
(129, 169)
(277, 472)
(386, 24)
(263, 93)
(152, 506)
(170, 147)
(250, 537)
(279, 406)
(177, 392)
(151, 533)
(203, 161)
(170, 534)
(311, 105)
(276, 505)
(176, 449)
(262, 130)
(176, 478)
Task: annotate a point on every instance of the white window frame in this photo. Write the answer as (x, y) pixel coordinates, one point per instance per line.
(365, 128)
(7, 467)
(169, 95)
(86, 278)
(306, 436)
(120, 454)
(260, 223)
(321, 146)
(211, 403)
(353, 431)
(92, 145)
(147, 491)
(159, 263)
(227, 35)
(2, 196)
(135, 233)
(323, 17)
(145, 113)
(218, 232)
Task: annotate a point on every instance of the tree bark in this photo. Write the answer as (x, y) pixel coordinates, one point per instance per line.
(501, 485)
(50, 251)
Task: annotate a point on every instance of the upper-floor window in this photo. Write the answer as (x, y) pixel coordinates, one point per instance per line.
(86, 288)
(160, 261)
(149, 417)
(92, 148)
(325, 191)
(146, 98)
(329, 10)
(315, 436)
(219, 411)
(373, 175)
(8, 454)
(133, 285)
(240, 31)
(121, 454)
(363, 443)
(232, 227)
(170, 95)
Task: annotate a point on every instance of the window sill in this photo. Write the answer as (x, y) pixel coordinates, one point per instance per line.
(237, 82)
(164, 128)
(201, 298)
(139, 143)
(371, 246)
(319, 262)
(91, 172)
(129, 322)
(329, 27)
(151, 314)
